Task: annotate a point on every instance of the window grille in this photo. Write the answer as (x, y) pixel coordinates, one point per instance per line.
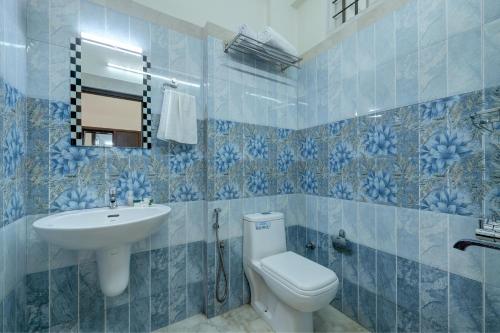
(342, 11)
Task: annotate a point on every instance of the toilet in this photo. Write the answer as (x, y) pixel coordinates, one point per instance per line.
(285, 287)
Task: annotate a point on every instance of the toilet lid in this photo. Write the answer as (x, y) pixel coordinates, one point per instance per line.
(298, 271)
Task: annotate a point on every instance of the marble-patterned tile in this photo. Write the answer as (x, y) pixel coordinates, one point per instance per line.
(463, 15)
(91, 300)
(386, 315)
(117, 318)
(63, 23)
(464, 56)
(64, 296)
(139, 288)
(408, 285)
(350, 299)
(386, 276)
(432, 71)
(367, 269)
(491, 10)
(386, 228)
(491, 48)
(159, 288)
(466, 306)
(177, 283)
(434, 239)
(367, 309)
(350, 264)
(407, 224)
(492, 307)
(236, 272)
(432, 21)
(433, 299)
(37, 302)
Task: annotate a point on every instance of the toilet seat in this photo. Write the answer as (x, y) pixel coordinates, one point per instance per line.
(300, 275)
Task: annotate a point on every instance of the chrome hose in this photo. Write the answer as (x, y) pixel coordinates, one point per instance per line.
(221, 270)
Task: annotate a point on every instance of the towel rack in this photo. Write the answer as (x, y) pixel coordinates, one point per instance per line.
(247, 45)
(172, 83)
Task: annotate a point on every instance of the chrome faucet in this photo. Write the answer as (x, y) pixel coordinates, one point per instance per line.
(112, 198)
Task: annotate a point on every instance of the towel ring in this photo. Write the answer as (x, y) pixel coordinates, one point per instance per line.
(172, 83)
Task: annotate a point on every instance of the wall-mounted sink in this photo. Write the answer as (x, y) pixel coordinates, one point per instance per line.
(110, 232)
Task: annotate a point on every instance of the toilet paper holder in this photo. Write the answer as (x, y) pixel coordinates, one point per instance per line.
(340, 242)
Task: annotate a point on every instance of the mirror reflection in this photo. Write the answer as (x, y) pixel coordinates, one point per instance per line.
(112, 86)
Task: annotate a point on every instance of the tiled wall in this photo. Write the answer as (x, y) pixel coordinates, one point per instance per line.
(388, 153)
(251, 156)
(166, 269)
(425, 50)
(12, 163)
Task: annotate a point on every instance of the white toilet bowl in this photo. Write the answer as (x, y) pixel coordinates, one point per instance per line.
(286, 288)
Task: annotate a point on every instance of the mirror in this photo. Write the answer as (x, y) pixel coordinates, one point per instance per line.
(110, 87)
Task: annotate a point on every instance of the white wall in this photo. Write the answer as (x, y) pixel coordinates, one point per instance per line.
(312, 21)
(229, 14)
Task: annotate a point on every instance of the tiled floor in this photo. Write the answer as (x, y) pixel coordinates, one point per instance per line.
(245, 319)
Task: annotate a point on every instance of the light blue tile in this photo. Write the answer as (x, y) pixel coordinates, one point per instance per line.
(177, 224)
(463, 15)
(312, 212)
(466, 305)
(491, 51)
(385, 48)
(491, 9)
(464, 62)
(92, 18)
(465, 263)
(349, 98)
(117, 26)
(350, 220)
(177, 51)
(407, 79)
(38, 68)
(366, 91)
(406, 21)
(323, 214)
(159, 46)
(367, 225)
(432, 74)
(385, 85)
(38, 20)
(432, 21)
(140, 34)
(349, 57)
(63, 21)
(194, 56)
(434, 239)
(407, 233)
(386, 228)
(58, 75)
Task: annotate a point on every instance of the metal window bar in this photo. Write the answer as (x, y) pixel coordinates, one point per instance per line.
(345, 7)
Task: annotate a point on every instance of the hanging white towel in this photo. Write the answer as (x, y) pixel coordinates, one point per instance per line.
(178, 118)
(271, 37)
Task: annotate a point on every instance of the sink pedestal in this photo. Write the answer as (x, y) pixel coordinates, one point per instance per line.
(113, 266)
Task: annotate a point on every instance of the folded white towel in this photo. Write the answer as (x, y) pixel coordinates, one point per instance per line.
(178, 118)
(272, 38)
(247, 31)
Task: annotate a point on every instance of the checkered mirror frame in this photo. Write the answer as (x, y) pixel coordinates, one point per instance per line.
(76, 95)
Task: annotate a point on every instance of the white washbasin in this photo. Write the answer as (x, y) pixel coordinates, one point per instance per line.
(110, 232)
